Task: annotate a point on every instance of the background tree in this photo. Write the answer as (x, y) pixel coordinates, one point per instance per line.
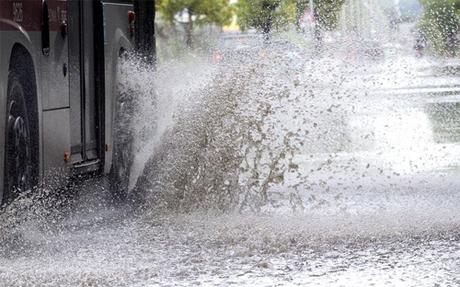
(327, 12)
(439, 25)
(198, 12)
(267, 14)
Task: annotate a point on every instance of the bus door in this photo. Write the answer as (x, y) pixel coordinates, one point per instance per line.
(86, 74)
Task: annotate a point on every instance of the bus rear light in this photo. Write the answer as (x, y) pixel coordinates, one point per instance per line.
(131, 16)
(63, 29)
(66, 156)
(131, 20)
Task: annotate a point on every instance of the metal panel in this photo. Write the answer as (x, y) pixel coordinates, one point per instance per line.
(74, 76)
(56, 139)
(87, 47)
(55, 85)
(83, 98)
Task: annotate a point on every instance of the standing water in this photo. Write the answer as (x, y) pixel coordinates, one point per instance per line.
(277, 166)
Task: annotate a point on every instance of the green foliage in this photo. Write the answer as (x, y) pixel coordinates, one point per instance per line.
(439, 25)
(200, 12)
(218, 12)
(263, 14)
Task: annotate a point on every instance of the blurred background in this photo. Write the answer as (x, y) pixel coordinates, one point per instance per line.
(432, 25)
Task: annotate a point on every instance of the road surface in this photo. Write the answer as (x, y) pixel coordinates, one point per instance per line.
(277, 168)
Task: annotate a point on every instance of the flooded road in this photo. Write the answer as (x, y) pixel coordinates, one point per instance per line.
(273, 168)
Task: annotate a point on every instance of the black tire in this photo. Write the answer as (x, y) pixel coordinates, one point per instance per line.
(21, 133)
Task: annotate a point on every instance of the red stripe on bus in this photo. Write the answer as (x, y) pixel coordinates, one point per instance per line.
(28, 14)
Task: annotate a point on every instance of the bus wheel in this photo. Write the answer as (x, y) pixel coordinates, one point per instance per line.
(19, 151)
(122, 159)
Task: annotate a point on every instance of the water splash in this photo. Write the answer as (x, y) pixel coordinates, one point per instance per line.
(283, 129)
(320, 169)
(364, 19)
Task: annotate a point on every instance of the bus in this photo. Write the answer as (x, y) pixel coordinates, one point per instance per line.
(58, 100)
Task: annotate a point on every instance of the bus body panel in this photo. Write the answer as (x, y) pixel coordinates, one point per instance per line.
(50, 78)
(53, 83)
(54, 75)
(56, 142)
(82, 75)
(20, 23)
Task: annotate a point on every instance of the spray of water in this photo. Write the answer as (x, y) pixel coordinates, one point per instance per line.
(316, 164)
(286, 129)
